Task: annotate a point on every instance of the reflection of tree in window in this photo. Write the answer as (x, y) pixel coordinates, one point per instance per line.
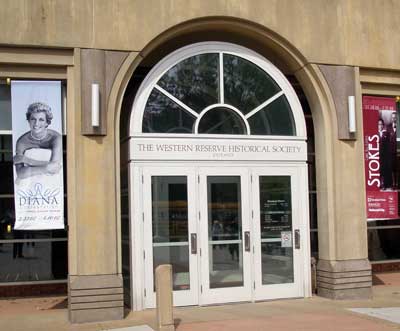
(274, 119)
(194, 81)
(221, 121)
(162, 115)
(246, 86)
(192, 85)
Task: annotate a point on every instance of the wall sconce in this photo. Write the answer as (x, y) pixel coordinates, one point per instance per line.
(95, 105)
(352, 113)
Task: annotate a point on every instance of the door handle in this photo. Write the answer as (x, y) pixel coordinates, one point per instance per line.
(247, 241)
(297, 239)
(193, 243)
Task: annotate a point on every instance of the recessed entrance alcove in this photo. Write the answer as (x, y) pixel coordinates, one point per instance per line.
(218, 181)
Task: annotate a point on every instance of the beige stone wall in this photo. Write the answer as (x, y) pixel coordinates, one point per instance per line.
(342, 32)
(356, 32)
(92, 177)
(350, 219)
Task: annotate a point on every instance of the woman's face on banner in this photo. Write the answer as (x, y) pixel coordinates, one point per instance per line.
(38, 123)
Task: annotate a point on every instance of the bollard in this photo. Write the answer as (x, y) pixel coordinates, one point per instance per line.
(164, 302)
(313, 275)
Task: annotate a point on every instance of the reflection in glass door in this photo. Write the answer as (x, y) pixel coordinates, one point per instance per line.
(230, 233)
(224, 231)
(169, 201)
(225, 263)
(170, 227)
(276, 230)
(277, 233)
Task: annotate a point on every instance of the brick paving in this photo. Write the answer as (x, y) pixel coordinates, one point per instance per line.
(310, 314)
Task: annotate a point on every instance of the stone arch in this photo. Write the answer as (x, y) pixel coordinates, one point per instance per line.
(280, 52)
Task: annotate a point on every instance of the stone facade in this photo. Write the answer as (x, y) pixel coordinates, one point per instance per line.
(70, 39)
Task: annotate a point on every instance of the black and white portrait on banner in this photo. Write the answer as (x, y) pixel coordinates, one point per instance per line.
(38, 155)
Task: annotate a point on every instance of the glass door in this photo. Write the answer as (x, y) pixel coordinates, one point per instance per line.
(170, 231)
(225, 243)
(279, 210)
(230, 233)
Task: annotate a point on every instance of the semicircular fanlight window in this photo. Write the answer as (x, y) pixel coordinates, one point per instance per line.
(226, 81)
(221, 121)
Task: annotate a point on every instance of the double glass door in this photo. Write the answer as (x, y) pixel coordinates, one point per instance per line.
(230, 233)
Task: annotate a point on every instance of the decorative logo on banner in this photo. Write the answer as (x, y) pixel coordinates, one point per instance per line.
(380, 132)
(37, 150)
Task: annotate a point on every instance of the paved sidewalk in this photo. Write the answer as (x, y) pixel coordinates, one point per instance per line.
(301, 314)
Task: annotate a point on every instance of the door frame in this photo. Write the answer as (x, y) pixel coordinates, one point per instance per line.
(300, 221)
(184, 297)
(137, 229)
(229, 294)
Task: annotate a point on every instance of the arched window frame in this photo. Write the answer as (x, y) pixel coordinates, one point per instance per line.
(150, 82)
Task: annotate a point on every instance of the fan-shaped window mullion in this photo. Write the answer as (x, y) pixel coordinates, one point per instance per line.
(235, 90)
(276, 118)
(264, 104)
(221, 78)
(177, 101)
(194, 81)
(246, 85)
(163, 115)
(222, 120)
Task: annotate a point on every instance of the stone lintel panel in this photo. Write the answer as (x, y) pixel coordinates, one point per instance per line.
(341, 82)
(344, 280)
(101, 67)
(95, 298)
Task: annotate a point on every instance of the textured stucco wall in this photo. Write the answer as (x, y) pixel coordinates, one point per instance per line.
(356, 32)
(342, 32)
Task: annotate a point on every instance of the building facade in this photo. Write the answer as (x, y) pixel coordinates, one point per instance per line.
(224, 147)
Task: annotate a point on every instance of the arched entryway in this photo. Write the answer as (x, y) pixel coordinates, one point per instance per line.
(271, 46)
(218, 175)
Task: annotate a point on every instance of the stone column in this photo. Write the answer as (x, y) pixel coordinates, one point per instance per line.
(95, 281)
(343, 270)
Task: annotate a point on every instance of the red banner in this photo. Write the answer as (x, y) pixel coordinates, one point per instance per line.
(380, 124)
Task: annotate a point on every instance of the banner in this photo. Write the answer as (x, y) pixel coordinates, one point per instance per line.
(38, 155)
(380, 130)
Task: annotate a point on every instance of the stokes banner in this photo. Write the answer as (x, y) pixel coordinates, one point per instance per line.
(38, 153)
(380, 132)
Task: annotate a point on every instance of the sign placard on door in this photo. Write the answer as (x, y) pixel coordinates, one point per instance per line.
(286, 239)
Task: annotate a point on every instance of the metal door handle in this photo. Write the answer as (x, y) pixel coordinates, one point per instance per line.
(297, 239)
(247, 241)
(193, 243)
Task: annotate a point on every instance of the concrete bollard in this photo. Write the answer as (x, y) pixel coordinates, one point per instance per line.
(164, 301)
(313, 275)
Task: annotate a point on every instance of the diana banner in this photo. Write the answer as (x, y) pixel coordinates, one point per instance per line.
(380, 131)
(37, 150)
